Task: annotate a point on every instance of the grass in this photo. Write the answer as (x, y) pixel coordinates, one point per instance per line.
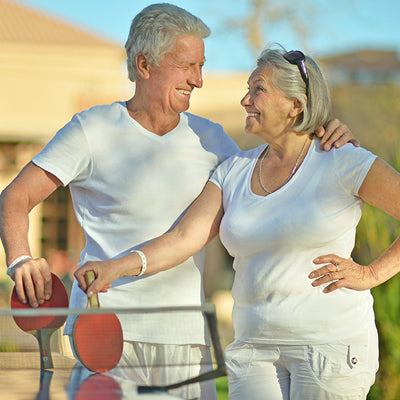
(222, 388)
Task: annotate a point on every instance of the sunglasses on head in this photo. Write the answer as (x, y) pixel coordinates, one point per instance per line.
(296, 57)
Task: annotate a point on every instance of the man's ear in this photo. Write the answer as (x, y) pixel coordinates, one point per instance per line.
(297, 108)
(142, 65)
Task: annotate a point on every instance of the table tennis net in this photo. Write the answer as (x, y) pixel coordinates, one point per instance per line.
(155, 344)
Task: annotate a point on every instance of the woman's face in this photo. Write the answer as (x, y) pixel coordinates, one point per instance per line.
(269, 111)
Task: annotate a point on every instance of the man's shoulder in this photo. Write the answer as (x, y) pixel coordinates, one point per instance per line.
(198, 121)
(212, 135)
(103, 111)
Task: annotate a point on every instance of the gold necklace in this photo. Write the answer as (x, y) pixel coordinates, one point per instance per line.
(291, 173)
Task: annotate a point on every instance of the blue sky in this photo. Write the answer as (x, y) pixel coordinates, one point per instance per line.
(334, 26)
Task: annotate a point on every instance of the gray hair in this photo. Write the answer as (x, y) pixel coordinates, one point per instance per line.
(154, 31)
(287, 78)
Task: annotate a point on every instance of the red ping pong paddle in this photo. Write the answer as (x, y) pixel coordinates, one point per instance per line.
(99, 387)
(42, 327)
(97, 338)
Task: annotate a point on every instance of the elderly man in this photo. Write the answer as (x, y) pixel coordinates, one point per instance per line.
(133, 168)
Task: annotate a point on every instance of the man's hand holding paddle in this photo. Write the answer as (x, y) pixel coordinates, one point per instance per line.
(42, 327)
(33, 283)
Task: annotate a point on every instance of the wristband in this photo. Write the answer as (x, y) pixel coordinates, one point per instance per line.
(10, 270)
(144, 261)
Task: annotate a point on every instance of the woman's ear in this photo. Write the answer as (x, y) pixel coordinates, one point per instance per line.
(142, 65)
(297, 108)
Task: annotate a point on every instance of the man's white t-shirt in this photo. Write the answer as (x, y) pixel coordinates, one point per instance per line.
(128, 186)
(275, 238)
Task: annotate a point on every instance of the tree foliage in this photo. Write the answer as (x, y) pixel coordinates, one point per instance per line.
(263, 15)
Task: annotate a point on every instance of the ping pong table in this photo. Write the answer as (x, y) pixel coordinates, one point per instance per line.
(22, 378)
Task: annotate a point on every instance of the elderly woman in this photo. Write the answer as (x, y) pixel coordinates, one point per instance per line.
(281, 209)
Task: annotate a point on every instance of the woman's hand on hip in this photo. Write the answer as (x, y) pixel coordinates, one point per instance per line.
(340, 272)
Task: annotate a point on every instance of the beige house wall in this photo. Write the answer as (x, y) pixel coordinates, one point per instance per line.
(219, 101)
(42, 86)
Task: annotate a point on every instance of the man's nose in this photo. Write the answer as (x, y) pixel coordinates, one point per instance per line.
(196, 78)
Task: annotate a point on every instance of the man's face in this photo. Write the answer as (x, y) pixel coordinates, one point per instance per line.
(180, 71)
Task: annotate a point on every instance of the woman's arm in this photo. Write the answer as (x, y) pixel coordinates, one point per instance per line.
(381, 188)
(199, 225)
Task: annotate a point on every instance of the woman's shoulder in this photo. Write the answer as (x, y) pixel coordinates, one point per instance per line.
(349, 153)
(351, 164)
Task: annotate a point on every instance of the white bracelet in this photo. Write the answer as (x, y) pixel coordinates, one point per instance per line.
(10, 270)
(144, 261)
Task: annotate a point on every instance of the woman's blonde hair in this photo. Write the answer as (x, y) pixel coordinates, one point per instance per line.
(287, 78)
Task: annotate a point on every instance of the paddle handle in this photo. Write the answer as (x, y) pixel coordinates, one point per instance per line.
(93, 301)
(43, 337)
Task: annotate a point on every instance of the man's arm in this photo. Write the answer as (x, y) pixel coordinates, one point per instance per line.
(31, 186)
(336, 134)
